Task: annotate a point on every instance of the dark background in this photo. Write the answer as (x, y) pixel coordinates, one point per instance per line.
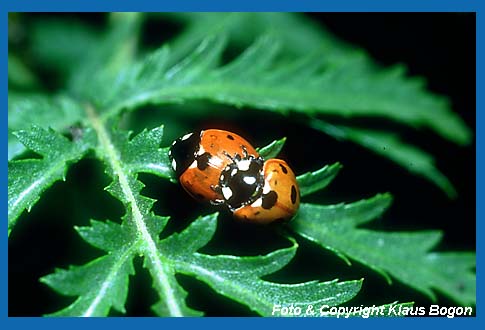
(439, 47)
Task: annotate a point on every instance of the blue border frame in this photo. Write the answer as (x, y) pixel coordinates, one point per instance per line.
(239, 5)
(247, 5)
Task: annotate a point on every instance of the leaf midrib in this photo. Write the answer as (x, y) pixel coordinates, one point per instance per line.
(204, 90)
(109, 279)
(197, 270)
(149, 247)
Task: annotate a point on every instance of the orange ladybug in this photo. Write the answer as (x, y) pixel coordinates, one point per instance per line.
(260, 192)
(198, 159)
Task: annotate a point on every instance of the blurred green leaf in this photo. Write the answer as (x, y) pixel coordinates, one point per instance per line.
(308, 85)
(26, 109)
(299, 35)
(356, 71)
(390, 146)
(115, 49)
(62, 44)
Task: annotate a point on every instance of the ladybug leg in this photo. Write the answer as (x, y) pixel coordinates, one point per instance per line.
(244, 151)
(228, 155)
(216, 188)
(217, 202)
(235, 158)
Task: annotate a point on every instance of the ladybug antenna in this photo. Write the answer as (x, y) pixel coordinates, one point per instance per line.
(228, 156)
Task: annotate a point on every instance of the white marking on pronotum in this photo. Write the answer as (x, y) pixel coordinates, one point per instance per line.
(266, 188)
(257, 203)
(226, 192)
(193, 165)
(201, 151)
(233, 172)
(243, 165)
(174, 164)
(215, 161)
(249, 179)
(186, 136)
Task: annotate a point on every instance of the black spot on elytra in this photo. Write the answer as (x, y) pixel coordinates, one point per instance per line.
(275, 182)
(257, 213)
(269, 200)
(199, 196)
(293, 194)
(230, 137)
(279, 220)
(203, 161)
(284, 169)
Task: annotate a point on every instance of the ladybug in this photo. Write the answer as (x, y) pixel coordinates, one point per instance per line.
(259, 192)
(198, 159)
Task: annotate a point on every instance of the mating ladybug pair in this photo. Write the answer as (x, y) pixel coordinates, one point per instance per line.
(224, 169)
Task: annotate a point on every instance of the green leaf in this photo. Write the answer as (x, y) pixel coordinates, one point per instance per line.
(273, 149)
(103, 282)
(115, 49)
(311, 182)
(25, 109)
(390, 146)
(143, 154)
(402, 255)
(28, 178)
